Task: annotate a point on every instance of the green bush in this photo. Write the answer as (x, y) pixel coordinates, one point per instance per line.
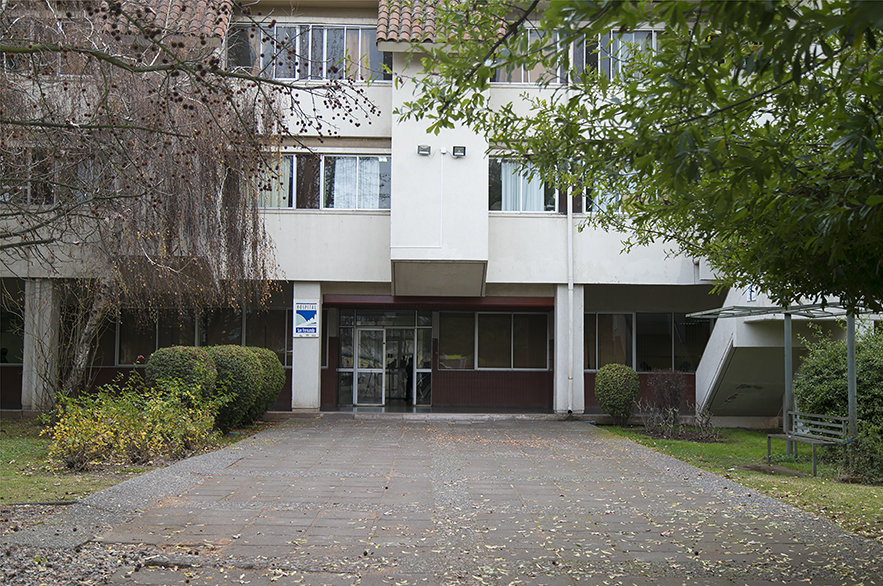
(616, 388)
(867, 455)
(127, 423)
(272, 381)
(239, 379)
(189, 365)
(821, 383)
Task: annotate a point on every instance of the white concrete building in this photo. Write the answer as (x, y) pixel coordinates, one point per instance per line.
(441, 280)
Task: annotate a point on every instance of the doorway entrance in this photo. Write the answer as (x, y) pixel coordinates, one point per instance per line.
(390, 358)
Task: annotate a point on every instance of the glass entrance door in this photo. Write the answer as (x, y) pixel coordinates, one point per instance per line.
(369, 367)
(384, 359)
(399, 366)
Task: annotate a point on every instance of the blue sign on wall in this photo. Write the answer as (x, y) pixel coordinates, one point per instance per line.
(306, 319)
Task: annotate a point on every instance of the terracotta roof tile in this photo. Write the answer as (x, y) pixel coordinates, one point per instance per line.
(405, 21)
(200, 18)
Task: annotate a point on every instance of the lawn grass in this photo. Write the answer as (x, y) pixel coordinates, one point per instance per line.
(27, 475)
(741, 457)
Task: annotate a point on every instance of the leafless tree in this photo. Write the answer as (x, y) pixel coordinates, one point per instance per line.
(129, 158)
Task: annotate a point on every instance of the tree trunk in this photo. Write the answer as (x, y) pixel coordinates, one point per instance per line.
(82, 349)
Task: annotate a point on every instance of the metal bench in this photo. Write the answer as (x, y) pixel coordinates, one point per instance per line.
(814, 430)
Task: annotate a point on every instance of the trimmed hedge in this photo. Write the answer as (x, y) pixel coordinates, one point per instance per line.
(240, 378)
(190, 365)
(272, 381)
(616, 388)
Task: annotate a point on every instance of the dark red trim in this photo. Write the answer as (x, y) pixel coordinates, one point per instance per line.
(437, 303)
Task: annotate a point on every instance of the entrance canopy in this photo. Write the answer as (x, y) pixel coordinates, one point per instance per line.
(812, 310)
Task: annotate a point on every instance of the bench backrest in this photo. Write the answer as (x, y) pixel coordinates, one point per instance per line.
(824, 427)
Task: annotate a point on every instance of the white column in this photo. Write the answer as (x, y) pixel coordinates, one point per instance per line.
(40, 361)
(306, 355)
(563, 352)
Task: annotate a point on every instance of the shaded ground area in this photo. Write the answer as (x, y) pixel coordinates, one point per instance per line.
(445, 501)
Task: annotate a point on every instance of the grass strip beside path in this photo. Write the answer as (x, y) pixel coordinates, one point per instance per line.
(28, 476)
(741, 457)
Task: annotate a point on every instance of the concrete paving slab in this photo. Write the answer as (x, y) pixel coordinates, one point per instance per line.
(458, 501)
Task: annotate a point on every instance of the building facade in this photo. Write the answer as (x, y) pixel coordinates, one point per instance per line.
(421, 271)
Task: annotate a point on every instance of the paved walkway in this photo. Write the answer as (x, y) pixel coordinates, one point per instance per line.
(401, 502)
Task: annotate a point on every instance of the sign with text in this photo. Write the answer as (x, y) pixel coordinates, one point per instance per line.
(306, 319)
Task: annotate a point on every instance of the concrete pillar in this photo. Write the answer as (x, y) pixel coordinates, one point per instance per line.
(306, 355)
(563, 352)
(40, 360)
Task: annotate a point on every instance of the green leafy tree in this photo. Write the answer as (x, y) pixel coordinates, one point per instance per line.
(749, 135)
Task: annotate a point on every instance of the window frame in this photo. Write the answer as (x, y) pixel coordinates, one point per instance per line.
(384, 158)
(549, 208)
(268, 54)
(673, 317)
(609, 47)
(560, 74)
(512, 330)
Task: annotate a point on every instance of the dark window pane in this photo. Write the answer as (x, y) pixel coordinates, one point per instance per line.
(456, 340)
(344, 388)
(495, 186)
(307, 182)
(104, 346)
(495, 341)
(324, 339)
(286, 52)
(384, 181)
(653, 341)
(424, 348)
(590, 359)
(345, 342)
(266, 329)
(303, 53)
(529, 341)
(346, 317)
(221, 327)
(334, 53)
(317, 46)
(137, 339)
(176, 329)
(379, 317)
(614, 339)
(690, 337)
(12, 325)
(424, 388)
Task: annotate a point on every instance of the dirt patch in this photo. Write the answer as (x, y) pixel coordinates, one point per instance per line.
(772, 469)
(689, 435)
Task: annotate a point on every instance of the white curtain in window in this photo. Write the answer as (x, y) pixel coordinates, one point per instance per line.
(369, 183)
(343, 191)
(274, 184)
(533, 194)
(510, 181)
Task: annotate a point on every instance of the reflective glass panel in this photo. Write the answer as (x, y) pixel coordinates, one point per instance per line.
(495, 341)
(456, 340)
(614, 339)
(529, 341)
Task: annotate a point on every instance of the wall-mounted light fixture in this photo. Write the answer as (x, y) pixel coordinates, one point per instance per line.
(424, 149)
(459, 151)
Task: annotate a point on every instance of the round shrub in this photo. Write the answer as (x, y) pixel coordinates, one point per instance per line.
(272, 381)
(821, 384)
(239, 379)
(190, 365)
(616, 388)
